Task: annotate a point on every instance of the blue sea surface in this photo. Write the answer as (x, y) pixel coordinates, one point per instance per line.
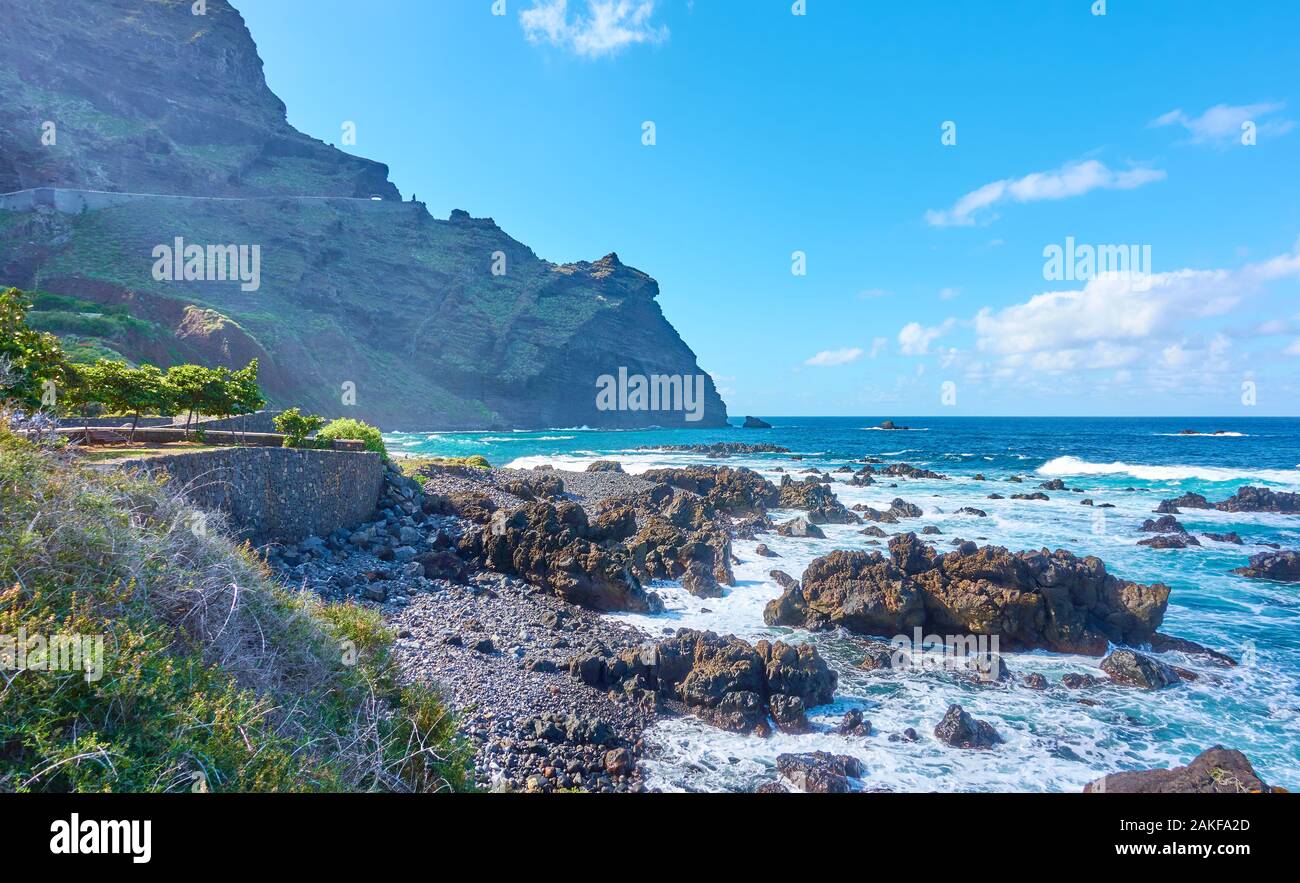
(1054, 741)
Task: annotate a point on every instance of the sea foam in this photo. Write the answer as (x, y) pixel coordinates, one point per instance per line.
(1062, 466)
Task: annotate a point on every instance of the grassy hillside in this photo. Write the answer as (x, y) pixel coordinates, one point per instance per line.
(212, 677)
(378, 294)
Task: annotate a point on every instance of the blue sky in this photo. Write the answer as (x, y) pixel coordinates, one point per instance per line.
(822, 134)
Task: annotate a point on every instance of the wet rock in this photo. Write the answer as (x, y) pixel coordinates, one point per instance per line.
(817, 499)
(1163, 524)
(819, 772)
(1216, 771)
(960, 730)
(605, 466)
(724, 489)
(878, 656)
(1170, 541)
(1277, 566)
(1230, 537)
(550, 545)
(1257, 499)
(1162, 643)
(730, 683)
(1137, 670)
(800, 527)
(789, 713)
(762, 550)
(1035, 681)
(904, 470)
(755, 423)
(853, 724)
(783, 579)
(1054, 601)
(900, 508)
(1076, 681)
(970, 510)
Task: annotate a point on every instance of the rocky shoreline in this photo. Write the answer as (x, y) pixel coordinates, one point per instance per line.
(495, 581)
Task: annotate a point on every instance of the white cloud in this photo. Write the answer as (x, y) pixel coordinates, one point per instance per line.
(872, 293)
(1109, 325)
(1072, 179)
(948, 293)
(1222, 123)
(608, 27)
(1294, 348)
(878, 346)
(915, 338)
(831, 358)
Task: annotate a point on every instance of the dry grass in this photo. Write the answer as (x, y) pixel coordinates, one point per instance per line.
(211, 673)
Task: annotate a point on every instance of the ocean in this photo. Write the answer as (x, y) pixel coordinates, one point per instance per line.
(1053, 741)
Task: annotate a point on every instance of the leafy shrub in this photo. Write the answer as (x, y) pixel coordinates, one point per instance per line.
(28, 358)
(296, 426)
(355, 430)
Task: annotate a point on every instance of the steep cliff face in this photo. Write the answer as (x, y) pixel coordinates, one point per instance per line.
(145, 96)
(423, 323)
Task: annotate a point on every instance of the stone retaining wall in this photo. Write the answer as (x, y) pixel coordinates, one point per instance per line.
(277, 494)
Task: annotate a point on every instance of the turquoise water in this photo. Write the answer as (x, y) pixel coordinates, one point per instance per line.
(1053, 742)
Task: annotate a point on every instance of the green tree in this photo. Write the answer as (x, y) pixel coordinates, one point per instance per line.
(126, 390)
(79, 393)
(296, 426)
(29, 359)
(197, 390)
(243, 393)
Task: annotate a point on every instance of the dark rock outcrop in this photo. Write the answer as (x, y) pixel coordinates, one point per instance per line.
(554, 546)
(1162, 643)
(1163, 524)
(1281, 567)
(905, 470)
(1258, 499)
(1170, 541)
(819, 772)
(605, 466)
(1216, 771)
(853, 724)
(960, 730)
(1134, 669)
(800, 527)
(755, 423)
(817, 499)
(726, 681)
(1030, 599)
(740, 492)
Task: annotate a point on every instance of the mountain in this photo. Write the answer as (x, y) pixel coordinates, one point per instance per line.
(164, 129)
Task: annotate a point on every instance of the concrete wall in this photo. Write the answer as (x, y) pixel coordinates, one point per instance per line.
(277, 494)
(258, 421)
(69, 202)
